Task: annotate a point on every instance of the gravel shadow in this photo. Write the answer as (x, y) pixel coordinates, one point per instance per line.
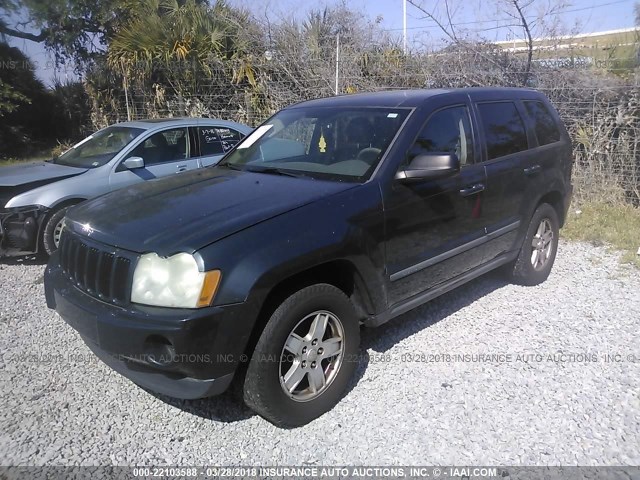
(225, 408)
(229, 407)
(387, 335)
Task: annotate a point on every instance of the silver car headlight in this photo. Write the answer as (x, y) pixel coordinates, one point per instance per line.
(173, 282)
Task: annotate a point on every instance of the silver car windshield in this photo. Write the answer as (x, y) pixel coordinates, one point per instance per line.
(344, 144)
(98, 149)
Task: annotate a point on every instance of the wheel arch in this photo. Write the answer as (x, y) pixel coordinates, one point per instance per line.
(556, 200)
(340, 273)
(67, 202)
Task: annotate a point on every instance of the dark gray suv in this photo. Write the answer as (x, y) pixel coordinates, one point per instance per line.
(334, 214)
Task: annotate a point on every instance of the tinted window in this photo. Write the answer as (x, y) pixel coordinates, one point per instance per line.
(448, 131)
(546, 128)
(336, 143)
(503, 127)
(217, 140)
(166, 146)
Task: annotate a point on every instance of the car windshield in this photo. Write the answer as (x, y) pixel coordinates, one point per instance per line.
(344, 144)
(98, 149)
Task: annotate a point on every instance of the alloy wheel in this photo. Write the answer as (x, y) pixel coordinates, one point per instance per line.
(312, 356)
(57, 232)
(542, 244)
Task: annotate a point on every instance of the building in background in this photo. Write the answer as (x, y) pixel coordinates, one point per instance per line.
(613, 50)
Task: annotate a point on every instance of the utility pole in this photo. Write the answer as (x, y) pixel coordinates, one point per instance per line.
(337, 60)
(404, 26)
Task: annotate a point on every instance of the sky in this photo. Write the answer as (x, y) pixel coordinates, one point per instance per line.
(578, 16)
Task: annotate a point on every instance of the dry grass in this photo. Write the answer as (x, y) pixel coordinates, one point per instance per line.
(615, 225)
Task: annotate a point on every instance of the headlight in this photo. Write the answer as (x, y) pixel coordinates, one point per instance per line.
(173, 282)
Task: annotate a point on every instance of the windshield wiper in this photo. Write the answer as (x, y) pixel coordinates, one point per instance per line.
(274, 171)
(228, 165)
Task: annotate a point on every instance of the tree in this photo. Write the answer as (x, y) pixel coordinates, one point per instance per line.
(71, 29)
(166, 31)
(172, 50)
(20, 95)
(524, 18)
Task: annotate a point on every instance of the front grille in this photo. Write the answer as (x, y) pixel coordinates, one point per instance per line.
(96, 269)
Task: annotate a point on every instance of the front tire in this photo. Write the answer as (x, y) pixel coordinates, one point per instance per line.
(304, 358)
(52, 230)
(538, 251)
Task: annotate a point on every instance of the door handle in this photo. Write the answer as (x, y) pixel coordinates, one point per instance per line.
(182, 168)
(477, 188)
(532, 170)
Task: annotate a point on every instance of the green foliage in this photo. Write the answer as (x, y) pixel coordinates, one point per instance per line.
(10, 98)
(177, 47)
(75, 30)
(167, 33)
(33, 117)
(20, 90)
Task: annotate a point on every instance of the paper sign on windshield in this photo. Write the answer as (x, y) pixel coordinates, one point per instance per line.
(255, 135)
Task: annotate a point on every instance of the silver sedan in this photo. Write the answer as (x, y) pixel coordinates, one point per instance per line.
(34, 197)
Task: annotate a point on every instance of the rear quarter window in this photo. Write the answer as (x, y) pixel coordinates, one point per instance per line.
(545, 126)
(503, 128)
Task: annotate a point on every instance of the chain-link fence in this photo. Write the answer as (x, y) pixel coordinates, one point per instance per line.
(599, 104)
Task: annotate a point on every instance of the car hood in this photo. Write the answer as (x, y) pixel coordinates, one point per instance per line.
(188, 211)
(16, 175)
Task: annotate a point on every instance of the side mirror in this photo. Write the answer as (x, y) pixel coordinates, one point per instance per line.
(430, 166)
(133, 162)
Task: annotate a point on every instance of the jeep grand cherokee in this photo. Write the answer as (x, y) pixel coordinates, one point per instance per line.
(334, 214)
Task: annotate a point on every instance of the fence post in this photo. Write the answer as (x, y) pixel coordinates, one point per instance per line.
(126, 93)
(337, 61)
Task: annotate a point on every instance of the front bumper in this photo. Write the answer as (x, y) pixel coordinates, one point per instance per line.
(182, 353)
(20, 229)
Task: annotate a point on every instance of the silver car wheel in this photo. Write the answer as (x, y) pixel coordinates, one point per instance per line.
(542, 244)
(57, 232)
(312, 356)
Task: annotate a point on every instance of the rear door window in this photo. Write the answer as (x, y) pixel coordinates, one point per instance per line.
(545, 126)
(217, 140)
(503, 128)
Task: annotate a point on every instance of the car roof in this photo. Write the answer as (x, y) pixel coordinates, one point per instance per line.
(407, 98)
(150, 123)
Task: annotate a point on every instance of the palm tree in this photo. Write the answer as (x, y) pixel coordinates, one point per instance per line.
(181, 45)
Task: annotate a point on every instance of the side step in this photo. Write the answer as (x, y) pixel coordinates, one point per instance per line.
(424, 297)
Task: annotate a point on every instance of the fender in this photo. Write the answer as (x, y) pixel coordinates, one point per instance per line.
(333, 229)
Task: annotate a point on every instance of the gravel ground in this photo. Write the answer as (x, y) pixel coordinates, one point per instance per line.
(547, 397)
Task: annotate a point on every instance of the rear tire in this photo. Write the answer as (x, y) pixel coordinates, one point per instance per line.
(538, 251)
(304, 358)
(52, 230)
